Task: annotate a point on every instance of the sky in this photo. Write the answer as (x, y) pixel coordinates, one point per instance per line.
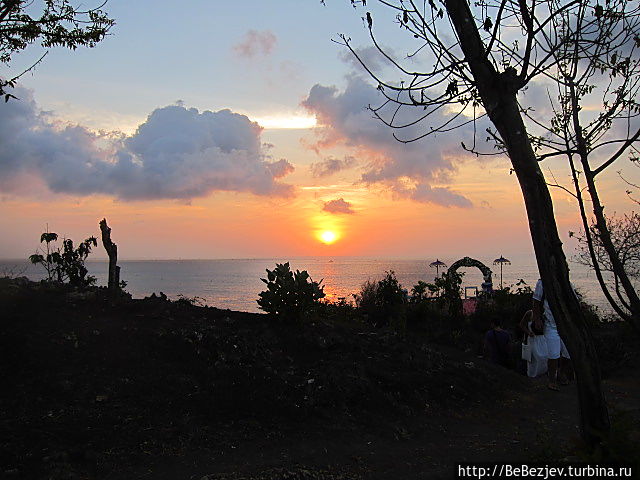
(240, 130)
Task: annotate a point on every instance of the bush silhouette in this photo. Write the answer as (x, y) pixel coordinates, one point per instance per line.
(290, 296)
(66, 264)
(384, 302)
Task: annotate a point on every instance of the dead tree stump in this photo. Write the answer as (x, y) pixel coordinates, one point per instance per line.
(112, 252)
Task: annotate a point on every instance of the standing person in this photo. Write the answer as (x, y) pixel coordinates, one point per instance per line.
(557, 351)
(497, 344)
(539, 352)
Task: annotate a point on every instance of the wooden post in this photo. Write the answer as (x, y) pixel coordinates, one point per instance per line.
(112, 251)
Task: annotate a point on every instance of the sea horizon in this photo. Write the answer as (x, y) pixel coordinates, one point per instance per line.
(104, 259)
(234, 284)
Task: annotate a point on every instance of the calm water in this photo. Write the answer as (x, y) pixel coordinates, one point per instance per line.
(235, 284)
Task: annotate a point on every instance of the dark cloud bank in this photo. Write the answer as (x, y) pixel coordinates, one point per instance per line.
(178, 153)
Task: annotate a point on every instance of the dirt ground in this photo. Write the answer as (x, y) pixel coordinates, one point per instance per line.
(535, 425)
(167, 390)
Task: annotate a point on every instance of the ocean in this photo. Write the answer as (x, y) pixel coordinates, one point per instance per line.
(235, 284)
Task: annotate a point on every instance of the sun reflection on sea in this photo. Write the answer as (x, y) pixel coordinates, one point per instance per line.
(329, 275)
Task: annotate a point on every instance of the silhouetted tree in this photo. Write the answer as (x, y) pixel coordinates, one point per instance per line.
(483, 57)
(66, 264)
(52, 23)
(596, 62)
(624, 232)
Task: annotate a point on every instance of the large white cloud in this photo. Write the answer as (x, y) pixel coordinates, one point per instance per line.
(409, 170)
(178, 153)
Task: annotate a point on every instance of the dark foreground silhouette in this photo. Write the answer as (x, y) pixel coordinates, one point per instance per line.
(166, 390)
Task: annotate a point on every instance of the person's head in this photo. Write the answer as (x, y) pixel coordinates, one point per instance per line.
(496, 322)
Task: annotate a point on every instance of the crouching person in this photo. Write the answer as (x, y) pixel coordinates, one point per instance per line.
(497, 344)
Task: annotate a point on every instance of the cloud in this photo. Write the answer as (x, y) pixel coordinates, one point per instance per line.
(370, 56)
(331, 165)
(409, 170)
(256, 43)
(280, 169)
(338, 206)
(177, 153)
(424, 193)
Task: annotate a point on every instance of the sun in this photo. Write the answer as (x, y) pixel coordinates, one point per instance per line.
(328, 237)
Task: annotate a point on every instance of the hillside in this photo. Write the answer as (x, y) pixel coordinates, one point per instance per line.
(175, 390)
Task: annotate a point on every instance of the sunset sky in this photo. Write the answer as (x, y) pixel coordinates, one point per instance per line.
(154, 130)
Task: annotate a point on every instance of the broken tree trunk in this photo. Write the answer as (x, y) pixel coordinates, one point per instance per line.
(112, 252)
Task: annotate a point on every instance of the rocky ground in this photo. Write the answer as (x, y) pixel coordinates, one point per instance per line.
(170, 390)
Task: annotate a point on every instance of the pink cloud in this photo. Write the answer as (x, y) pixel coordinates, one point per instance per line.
(338, 206)
(256, 43)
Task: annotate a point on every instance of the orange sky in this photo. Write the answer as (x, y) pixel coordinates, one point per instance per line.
(243, 225)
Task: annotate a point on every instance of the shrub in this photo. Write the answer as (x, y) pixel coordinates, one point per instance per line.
(194, 301)
(508, 304)
(290, 296)
(384, 302)
(340, 310)
(428, 314)
(420, 292)
(366, 300)
(66, 264)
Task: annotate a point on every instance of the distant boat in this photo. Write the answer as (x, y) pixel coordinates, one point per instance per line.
(330, 261)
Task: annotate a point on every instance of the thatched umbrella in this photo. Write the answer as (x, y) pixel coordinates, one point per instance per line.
(437, 264)
(501, 261)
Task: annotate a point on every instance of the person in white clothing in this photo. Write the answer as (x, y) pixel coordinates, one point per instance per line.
(539, 353)
(556, 349)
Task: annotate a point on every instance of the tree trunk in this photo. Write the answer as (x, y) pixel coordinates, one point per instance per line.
(552, 264)
(607, 243)
(498, 93)
(601, 222)
(112, 252)
(592, 253)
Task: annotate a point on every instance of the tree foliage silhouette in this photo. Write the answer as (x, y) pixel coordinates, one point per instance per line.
(624, 232)
(65, 264)
(290, 296)
(54, 23)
